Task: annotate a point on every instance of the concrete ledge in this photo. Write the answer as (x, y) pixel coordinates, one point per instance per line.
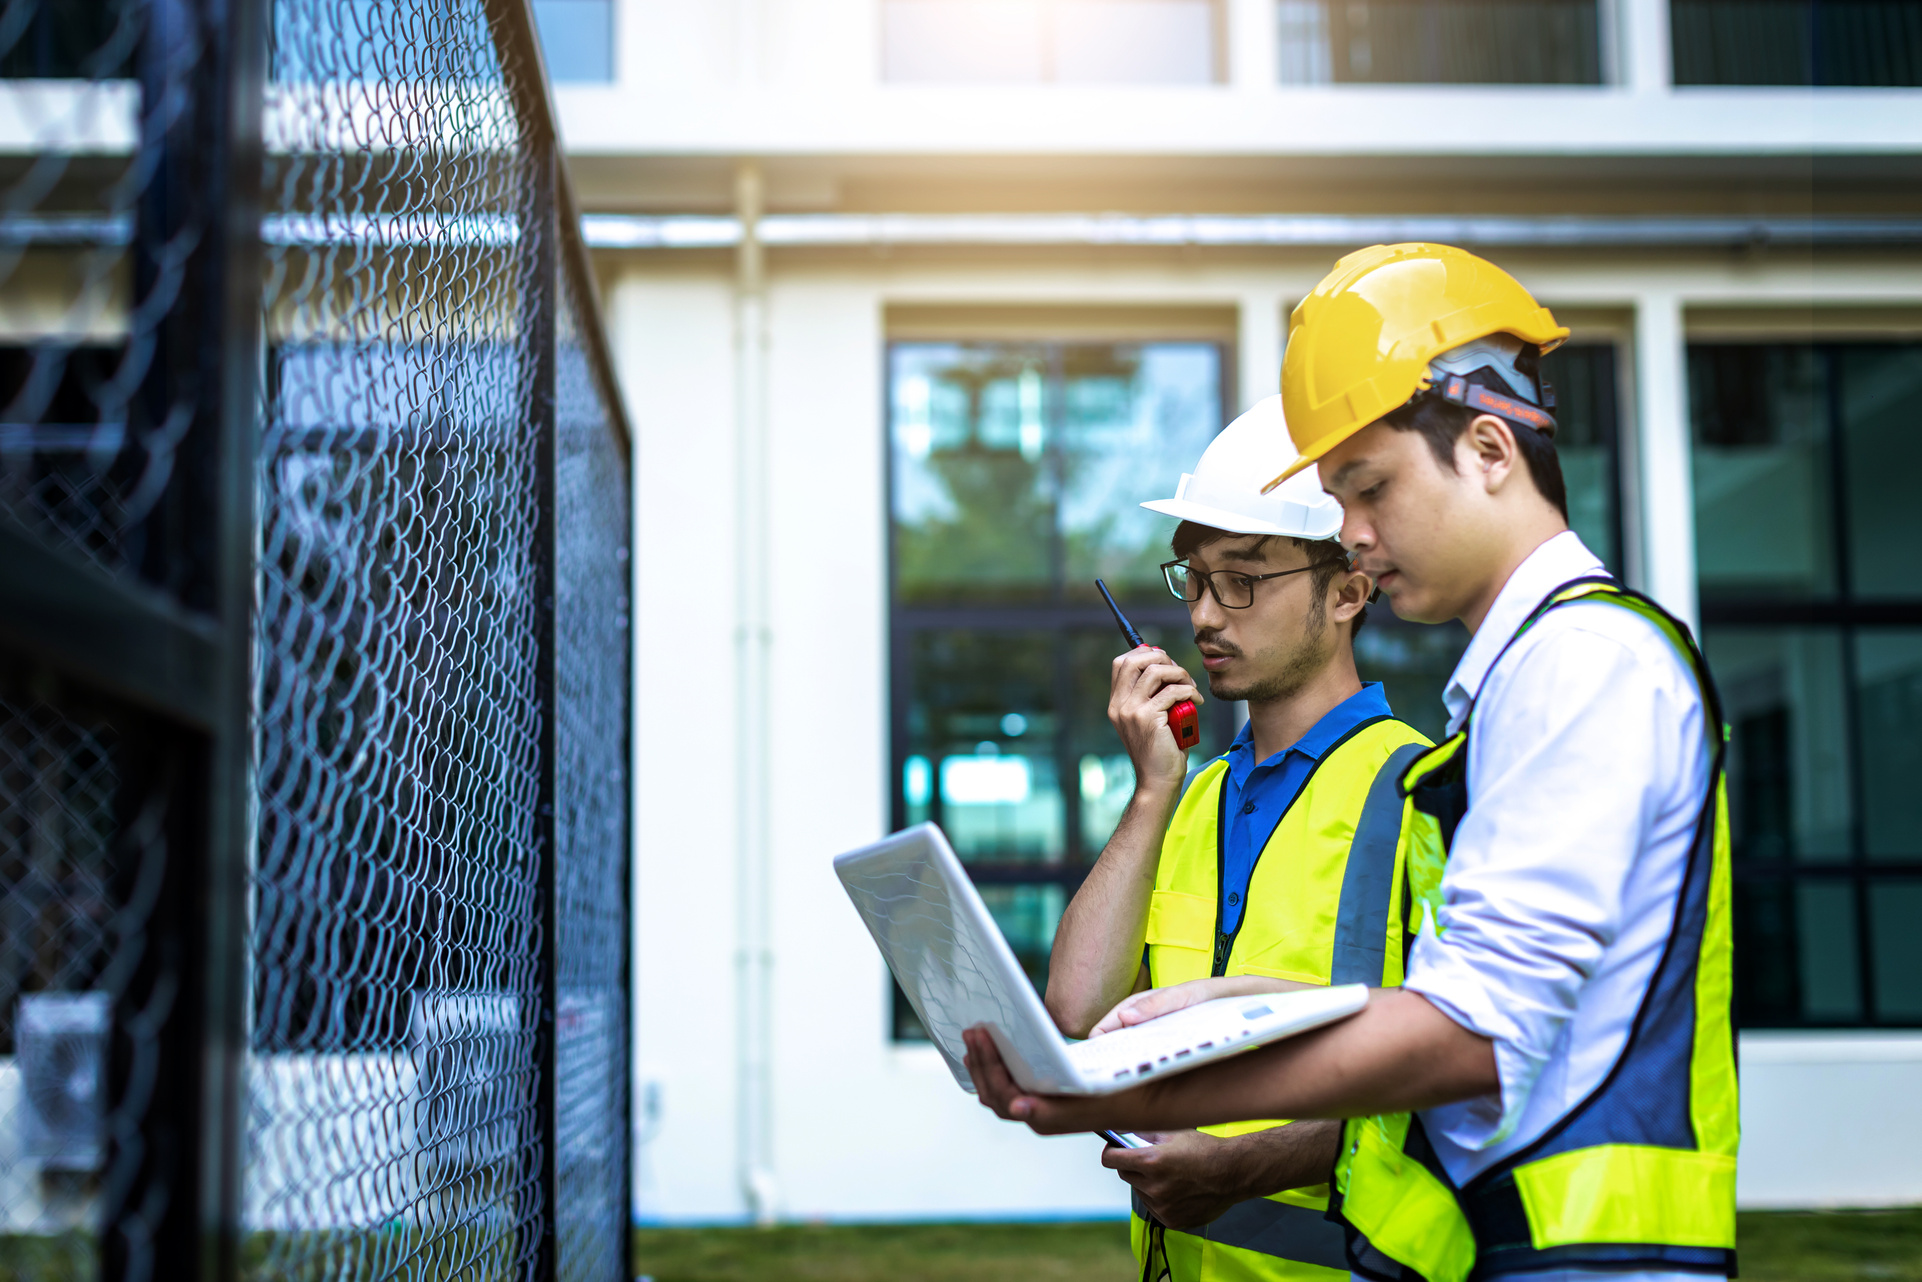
(1830, 1120)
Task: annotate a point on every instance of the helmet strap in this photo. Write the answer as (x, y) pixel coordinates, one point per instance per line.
(1457, 390)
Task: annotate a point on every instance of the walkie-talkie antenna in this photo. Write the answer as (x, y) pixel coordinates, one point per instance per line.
(1183, 721)
(1128, 632)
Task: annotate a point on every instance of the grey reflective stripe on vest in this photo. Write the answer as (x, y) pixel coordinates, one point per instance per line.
(1280, 1229)
(1361, 923)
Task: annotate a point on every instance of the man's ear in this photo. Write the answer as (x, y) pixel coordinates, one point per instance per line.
(1352, 590)
(1492, 452)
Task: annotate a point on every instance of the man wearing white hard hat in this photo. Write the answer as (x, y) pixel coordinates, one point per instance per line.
(1279, 860)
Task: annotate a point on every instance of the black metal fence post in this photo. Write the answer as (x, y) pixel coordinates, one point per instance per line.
(126, 530)
(173, 1198)
(538, 318)
(313, 826)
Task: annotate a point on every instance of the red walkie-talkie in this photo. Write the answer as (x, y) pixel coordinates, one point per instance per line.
(1182, 718)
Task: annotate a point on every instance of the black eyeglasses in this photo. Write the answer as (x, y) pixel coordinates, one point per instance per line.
(1233, 589)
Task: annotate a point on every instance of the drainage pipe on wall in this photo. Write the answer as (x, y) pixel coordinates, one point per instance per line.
(753, 640)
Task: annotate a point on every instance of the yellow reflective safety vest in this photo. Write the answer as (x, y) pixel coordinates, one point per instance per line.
(1641, 1173)
(1324, 906)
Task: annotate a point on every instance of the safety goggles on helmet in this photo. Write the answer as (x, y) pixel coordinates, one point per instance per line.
(1485, 376)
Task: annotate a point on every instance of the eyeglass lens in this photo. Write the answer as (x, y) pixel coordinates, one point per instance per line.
(1234, 591)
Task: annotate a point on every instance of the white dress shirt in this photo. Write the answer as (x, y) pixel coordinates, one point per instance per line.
(1586, 768)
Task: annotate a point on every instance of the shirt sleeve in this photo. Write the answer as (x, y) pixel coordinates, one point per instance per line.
(1572, 742)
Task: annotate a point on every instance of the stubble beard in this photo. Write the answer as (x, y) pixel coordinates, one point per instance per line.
(1309, 657)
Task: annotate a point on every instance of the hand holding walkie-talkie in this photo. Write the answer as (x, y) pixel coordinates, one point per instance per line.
(1183, 721)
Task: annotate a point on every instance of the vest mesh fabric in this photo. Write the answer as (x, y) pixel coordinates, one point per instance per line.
(1605, 1187)
(1336, 919)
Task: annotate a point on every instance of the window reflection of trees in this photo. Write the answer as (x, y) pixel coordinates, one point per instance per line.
(1016, 473)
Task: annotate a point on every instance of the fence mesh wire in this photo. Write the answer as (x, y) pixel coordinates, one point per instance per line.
(58, 781)
(91, 261)
(98, 468)
(436, 1004)
(412, 299)
(591, 817)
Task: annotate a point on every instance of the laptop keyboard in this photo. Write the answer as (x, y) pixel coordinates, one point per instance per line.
(1158, 1045)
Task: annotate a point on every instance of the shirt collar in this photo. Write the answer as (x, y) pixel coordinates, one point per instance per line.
(1554, 563)
(1365, 704)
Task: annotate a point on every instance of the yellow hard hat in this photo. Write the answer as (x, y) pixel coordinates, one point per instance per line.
(1360, 344)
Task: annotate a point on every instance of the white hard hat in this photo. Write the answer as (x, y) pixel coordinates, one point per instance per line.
(1224, 490)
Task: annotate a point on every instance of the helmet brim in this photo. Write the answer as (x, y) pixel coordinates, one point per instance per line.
(1235, 522)
(1301, 464)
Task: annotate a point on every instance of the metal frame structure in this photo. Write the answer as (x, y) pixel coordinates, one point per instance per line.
(1766, 882)
(156, 641)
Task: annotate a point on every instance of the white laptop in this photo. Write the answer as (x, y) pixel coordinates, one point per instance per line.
(958, 971)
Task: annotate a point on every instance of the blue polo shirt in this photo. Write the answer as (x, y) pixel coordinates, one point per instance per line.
(1256, 796)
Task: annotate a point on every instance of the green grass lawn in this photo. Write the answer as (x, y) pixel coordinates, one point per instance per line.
(1775, 1247)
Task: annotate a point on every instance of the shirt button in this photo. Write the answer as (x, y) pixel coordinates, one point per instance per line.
(1233, 898)
(1248, 809)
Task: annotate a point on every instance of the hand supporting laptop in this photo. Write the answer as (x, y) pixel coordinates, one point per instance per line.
(1397, 1055)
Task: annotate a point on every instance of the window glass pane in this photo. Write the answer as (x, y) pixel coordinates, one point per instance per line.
(994, 443)
(1888, 701)
(1761, 471)
(1740, 42)
(1134, 41)
(1796, 960)
(1069, 41)
(1882, 454)
(962, 41)
(982, 729)
(1134, 418)
(577, 39)
(1791, 42)
(1895, 908)
(1825, 927)
(973, 487)
(1305, 57)
(1017, 470)
(1583, 377)
(1768, 985)
(1782, 695)
(1442, 42)
(1413, 661)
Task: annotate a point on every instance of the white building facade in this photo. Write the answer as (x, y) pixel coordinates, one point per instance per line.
(913, 300)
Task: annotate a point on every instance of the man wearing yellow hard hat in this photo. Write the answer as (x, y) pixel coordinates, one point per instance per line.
(1552, 1091)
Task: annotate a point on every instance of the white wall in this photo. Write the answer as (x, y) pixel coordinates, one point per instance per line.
(1830, 1119)
(863, 1129)
(672, 339)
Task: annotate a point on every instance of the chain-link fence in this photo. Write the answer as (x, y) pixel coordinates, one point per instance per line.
(313, 652)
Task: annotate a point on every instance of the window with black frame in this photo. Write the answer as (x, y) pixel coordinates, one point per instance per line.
(1015, 474)
(1809, 564)
(1861, 43)
(1439, 42)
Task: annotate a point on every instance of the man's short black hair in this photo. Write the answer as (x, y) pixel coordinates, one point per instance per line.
(1441, 423)
(1327, 556)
